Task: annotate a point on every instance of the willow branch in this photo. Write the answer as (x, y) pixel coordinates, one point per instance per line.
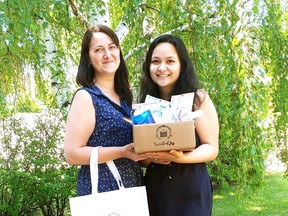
(77, 13)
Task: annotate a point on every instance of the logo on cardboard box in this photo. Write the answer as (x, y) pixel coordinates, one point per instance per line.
(163, 133)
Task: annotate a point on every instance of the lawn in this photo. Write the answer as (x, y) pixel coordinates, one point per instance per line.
(270, 199)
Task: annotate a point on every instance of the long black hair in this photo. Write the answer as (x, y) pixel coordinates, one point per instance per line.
(86, 73)
(187, 81)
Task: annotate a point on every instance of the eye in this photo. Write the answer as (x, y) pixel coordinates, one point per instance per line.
(98, 50)
(170, 61)
(154, 61)
(113, 47)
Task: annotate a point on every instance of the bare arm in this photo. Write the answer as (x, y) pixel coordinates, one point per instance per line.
(79, 127)
(207, 127)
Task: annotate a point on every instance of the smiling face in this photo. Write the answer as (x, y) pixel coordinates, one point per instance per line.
(104, 54)
(165, 67)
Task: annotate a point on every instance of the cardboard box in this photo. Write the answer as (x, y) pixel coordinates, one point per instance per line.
(164, 137)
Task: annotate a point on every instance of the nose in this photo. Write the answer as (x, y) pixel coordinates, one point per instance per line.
(107, 53)
(162, 67)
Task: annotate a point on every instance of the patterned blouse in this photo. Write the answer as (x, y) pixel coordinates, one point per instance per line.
(110, 130)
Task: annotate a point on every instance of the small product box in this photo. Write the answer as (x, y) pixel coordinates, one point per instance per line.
(164, 136)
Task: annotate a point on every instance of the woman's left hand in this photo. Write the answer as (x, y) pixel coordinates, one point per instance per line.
(165, 157)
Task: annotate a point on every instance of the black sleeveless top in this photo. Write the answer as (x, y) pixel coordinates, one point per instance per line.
(179, 189)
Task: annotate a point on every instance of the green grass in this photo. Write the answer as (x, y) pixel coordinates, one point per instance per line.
(270, 199)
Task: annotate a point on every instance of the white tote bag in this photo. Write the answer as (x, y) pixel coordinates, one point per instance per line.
(122, 202)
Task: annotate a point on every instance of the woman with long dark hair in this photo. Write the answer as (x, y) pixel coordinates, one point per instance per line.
(97, 111)
(177, 181)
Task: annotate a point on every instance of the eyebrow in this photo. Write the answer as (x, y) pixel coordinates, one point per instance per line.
(169, 57)
(96, 46)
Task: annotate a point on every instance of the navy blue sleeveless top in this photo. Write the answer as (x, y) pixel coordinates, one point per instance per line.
(110, 130)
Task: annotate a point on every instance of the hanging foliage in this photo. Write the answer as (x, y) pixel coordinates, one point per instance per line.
(274, 49)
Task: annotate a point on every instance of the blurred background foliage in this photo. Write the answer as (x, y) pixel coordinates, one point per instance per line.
(239, 49)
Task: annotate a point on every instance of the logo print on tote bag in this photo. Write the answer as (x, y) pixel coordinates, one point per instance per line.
(114, 214)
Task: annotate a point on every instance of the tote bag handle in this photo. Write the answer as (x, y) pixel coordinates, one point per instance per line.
(94, 171)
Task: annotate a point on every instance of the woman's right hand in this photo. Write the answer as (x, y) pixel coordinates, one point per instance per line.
(128, 152)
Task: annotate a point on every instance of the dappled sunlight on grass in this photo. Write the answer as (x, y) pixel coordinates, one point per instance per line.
(269, 199)
(232, 194)
(218, 197)
(255, 208)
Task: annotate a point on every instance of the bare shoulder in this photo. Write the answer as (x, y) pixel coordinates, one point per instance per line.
(202, 94)
(207, 106)
(82, 96)
(82, 101)
(202, 98)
